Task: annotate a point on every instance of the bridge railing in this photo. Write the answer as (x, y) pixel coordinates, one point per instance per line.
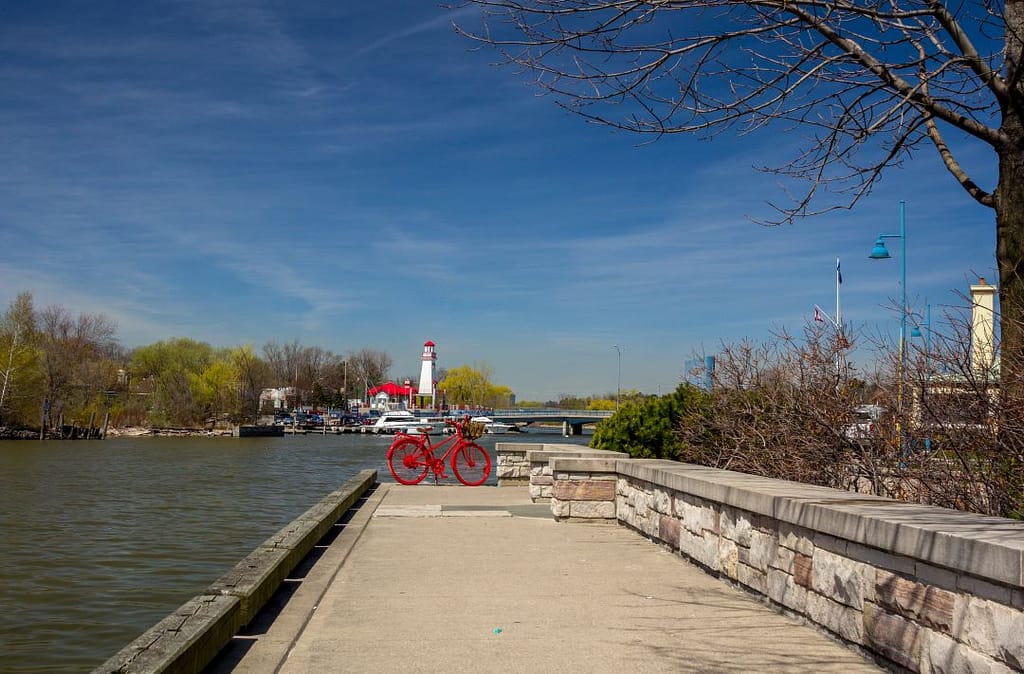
(551, 413)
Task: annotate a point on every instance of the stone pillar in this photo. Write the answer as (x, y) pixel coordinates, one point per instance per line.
(583, 490)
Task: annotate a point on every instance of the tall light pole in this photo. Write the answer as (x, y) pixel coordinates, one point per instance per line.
(927, 334)
(618, 385)
(880, 252)
(916, 332)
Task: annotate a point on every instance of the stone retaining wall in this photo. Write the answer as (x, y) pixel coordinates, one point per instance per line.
(583, 489)
(920, 588)
(187, 639)
(512, 469)
(529, 464)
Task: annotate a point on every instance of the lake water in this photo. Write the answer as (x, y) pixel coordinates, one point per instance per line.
(99, 540)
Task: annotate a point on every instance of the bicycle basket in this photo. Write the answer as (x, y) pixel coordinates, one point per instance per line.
(473, 429)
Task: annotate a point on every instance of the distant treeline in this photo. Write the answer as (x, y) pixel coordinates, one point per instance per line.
(59, 365)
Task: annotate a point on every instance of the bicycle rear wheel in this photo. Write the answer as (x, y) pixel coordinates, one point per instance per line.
(471, 464)
(407, 462)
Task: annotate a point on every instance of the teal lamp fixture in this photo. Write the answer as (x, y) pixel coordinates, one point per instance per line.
(880, 252)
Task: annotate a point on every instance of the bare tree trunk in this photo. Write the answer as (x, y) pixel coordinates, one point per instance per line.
(9, 370)
(1010, 206)
(1010, 258)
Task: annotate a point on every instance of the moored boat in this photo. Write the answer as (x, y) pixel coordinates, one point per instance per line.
(394, 421)
(492, 426)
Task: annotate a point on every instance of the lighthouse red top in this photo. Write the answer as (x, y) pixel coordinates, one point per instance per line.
(428, 343)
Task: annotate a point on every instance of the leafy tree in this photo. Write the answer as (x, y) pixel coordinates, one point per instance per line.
(869, 83)
(166, 370)
(215, 389)
(20, 376)
(465, 385)
(572, 402)
(646, 428)
(531, 404)
(498, 396)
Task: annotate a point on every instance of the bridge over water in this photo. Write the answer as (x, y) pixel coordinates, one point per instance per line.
(572, 421)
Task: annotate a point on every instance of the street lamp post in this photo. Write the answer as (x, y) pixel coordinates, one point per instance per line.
(618, 385)
(916, 332)
(880, 252)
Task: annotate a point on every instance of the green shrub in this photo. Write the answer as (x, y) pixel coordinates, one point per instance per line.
(646, 429)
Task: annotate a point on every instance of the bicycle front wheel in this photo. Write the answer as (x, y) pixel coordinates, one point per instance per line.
(471, 464)
(407, 462)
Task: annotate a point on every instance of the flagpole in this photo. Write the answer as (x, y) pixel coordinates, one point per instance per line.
(839, 327)
(839, 282)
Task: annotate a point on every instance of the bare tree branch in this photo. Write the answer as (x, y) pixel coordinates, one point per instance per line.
(887, 71)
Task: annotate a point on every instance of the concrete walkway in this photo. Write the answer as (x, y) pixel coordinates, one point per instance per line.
(457, 579)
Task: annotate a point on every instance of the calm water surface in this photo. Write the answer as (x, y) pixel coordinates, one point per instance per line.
(99, 540)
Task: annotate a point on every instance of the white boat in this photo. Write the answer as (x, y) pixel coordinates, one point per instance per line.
(492, 426)
(426, 426)
(393, 421)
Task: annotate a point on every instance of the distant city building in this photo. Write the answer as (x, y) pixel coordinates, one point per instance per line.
(947, 400)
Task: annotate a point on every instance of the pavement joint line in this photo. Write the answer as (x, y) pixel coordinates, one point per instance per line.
(407, 511)
(439, 511)
(476, 513)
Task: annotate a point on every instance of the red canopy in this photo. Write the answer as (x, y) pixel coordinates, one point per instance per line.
(393, 390)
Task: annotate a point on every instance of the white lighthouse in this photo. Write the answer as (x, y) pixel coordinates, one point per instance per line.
(426, 387)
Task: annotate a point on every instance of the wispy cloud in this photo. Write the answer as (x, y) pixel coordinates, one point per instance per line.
(245, 171)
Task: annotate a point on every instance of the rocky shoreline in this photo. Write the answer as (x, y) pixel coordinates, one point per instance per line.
(17, 434)
(129, 432)
(138, 432)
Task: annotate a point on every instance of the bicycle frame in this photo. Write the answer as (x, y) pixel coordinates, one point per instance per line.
(412, 455)
(429, 449)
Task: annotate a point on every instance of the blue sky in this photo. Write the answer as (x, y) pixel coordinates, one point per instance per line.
(355, 175)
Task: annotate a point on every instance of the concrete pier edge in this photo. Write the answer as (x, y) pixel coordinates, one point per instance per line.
(192, 635)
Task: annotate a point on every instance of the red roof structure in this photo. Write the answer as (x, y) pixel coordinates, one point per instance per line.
(394, 390)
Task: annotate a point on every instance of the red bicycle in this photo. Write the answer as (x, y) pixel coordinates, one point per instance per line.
(410, 457)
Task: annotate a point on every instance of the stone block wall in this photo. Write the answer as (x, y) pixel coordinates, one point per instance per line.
(925, 589)
(511, 468)
(583, 489)
(522, 463)
(542, 477)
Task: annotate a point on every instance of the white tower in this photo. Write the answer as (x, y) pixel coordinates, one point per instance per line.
(983, 353)
(426, 387)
